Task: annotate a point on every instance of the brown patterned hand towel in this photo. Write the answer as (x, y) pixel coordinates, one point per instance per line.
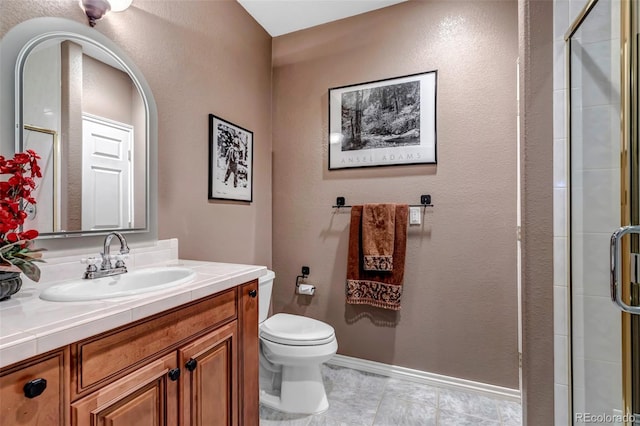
(378, 229)
(376, 288)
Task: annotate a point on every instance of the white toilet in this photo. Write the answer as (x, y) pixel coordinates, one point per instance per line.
(292, 348)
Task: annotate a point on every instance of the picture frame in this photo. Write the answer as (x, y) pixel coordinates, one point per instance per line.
(230, 161)
(386, 122)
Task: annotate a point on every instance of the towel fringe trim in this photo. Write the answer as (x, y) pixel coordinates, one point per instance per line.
(374, 303)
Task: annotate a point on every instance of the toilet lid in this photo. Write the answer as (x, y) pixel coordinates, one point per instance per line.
(296, 330)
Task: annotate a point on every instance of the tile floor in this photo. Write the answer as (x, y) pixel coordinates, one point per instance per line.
(357, 398)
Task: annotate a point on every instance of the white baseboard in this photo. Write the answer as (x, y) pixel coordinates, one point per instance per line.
(424, 377)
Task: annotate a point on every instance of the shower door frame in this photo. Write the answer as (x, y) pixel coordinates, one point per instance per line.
(629, 191)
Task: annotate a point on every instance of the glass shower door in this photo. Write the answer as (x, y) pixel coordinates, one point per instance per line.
(600, 184)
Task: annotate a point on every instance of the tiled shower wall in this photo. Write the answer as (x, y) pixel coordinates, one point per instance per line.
(596, 357)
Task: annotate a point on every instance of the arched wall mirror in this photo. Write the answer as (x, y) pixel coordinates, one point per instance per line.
(89, 114)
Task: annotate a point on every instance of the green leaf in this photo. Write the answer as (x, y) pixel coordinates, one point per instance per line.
(30, 270)
(5, 257)
(31, 255)
(7, 248)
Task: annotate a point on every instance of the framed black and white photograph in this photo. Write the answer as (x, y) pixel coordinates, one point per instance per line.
(383, 123)
(230, 161)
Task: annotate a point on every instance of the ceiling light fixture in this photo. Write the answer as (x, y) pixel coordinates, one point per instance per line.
(96, 9)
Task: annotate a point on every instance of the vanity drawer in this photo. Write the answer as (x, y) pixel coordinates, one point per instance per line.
(106, 357)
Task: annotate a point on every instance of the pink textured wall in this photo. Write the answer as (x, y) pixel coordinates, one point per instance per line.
(107, 91)
(199, 57)
(459, 312)
(536, 108)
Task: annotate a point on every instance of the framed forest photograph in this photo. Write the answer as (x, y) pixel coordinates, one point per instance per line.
(383, 123)
(230, 161)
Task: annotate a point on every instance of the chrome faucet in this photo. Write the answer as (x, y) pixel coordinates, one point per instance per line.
(106, 256)
(106, 268)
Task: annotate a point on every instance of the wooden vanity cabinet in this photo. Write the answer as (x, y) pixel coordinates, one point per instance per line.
(147, 396)
(99, 360)
(196, 364)
(35, 392)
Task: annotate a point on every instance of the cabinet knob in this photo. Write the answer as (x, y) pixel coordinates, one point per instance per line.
(191, 364)
(253, 293)
(34, 387)
(174, 374)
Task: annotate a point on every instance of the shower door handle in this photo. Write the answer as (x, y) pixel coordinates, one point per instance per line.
(616, 287)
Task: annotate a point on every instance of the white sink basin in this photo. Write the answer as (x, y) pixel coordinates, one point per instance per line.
(128, 284)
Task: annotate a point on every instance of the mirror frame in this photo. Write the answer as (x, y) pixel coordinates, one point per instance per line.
(16, 45)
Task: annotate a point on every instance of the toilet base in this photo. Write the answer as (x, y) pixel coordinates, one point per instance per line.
(301, 391)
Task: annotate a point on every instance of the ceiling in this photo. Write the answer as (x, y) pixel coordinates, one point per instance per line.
(280, 17)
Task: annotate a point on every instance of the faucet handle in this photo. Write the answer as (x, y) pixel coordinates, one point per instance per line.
(92, 263)
(120, 258)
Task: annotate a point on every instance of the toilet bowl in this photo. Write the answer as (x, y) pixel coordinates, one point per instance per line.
(292, 348)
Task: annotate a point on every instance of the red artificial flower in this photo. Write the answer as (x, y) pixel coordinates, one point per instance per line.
(21, 158)
(15, 191)
(29, 235)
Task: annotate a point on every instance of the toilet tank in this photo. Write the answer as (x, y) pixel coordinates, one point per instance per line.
(265, 285)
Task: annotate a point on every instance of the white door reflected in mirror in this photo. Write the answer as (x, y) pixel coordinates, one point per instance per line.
(107, 175)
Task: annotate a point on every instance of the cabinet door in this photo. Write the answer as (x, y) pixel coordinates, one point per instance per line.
(34, 393)
(209, 392)
(249, 347)
(146, 397)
